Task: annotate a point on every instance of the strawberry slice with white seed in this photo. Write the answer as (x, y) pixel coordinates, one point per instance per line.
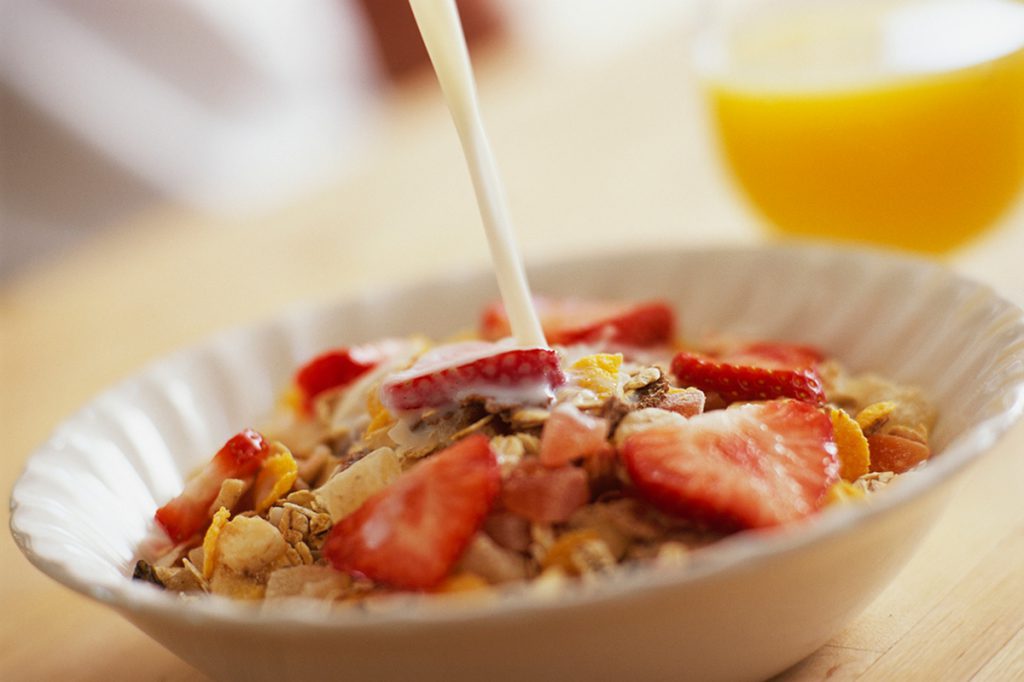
(760, 371)
(567, 321)
(748, 466)
(189, 512)
(449, 375)
(411, 533)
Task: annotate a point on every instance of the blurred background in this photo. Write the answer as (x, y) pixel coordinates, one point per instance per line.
(233, 108)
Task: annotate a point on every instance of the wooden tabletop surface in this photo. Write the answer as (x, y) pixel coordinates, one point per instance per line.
(596, 156)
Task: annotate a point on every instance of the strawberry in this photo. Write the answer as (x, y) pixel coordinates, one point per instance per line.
(748, 466)
(412, 532)
(450, 374)
(337, 368)
(570, 320)
(759, 371)
(189, 512)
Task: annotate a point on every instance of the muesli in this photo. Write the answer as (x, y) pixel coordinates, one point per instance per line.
(404, 466)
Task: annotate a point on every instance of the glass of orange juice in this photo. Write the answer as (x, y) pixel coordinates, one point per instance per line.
(898, 122)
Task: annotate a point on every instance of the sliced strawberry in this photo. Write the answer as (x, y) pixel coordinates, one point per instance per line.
(569, 434)
(570, 320)
(189, 512)
(337, 368)
(411, 533)
(453, 373)
(747, 466)
(545, 495)
(774, 355)
(760, 371)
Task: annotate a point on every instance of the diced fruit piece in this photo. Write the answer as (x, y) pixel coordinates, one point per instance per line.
(748, 466)
(545, 495)
(561, 553)
(345, 491)
(410, 534)
(598, 373)
(450, 374)
(334, 369)
(851, 446)
(568, 321)
(683, 401)
(896, 454)
(570, 434)
(761, 371)
(189, 512)
(275, 478)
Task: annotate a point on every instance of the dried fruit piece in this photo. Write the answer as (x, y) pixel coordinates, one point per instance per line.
(598, 373)
(851, 446)
(570, 434)
(276, 477)
(451, 374)
(189, 512)
(571, 320)
(683, 401)
(896, 454)
(761, 371)
(410, 534)
(747, 466)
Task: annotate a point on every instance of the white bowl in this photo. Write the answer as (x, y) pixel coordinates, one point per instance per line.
(751, 607)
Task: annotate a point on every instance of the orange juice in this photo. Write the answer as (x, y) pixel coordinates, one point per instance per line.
(892, 122)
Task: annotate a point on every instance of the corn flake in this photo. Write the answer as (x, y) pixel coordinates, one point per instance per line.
(210, 540)
(851, 445)
(276, 477)
(599, 373)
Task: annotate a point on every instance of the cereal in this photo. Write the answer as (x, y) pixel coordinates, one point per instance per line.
(473, 467)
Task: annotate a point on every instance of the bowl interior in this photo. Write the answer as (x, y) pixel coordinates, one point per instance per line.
(88, 494)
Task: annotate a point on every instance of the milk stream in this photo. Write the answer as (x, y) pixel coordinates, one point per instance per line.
(439, 24)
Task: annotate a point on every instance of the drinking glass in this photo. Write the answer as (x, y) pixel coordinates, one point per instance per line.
(899, 122)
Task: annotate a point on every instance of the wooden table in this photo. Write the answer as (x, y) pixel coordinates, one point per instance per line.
(595, 157)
